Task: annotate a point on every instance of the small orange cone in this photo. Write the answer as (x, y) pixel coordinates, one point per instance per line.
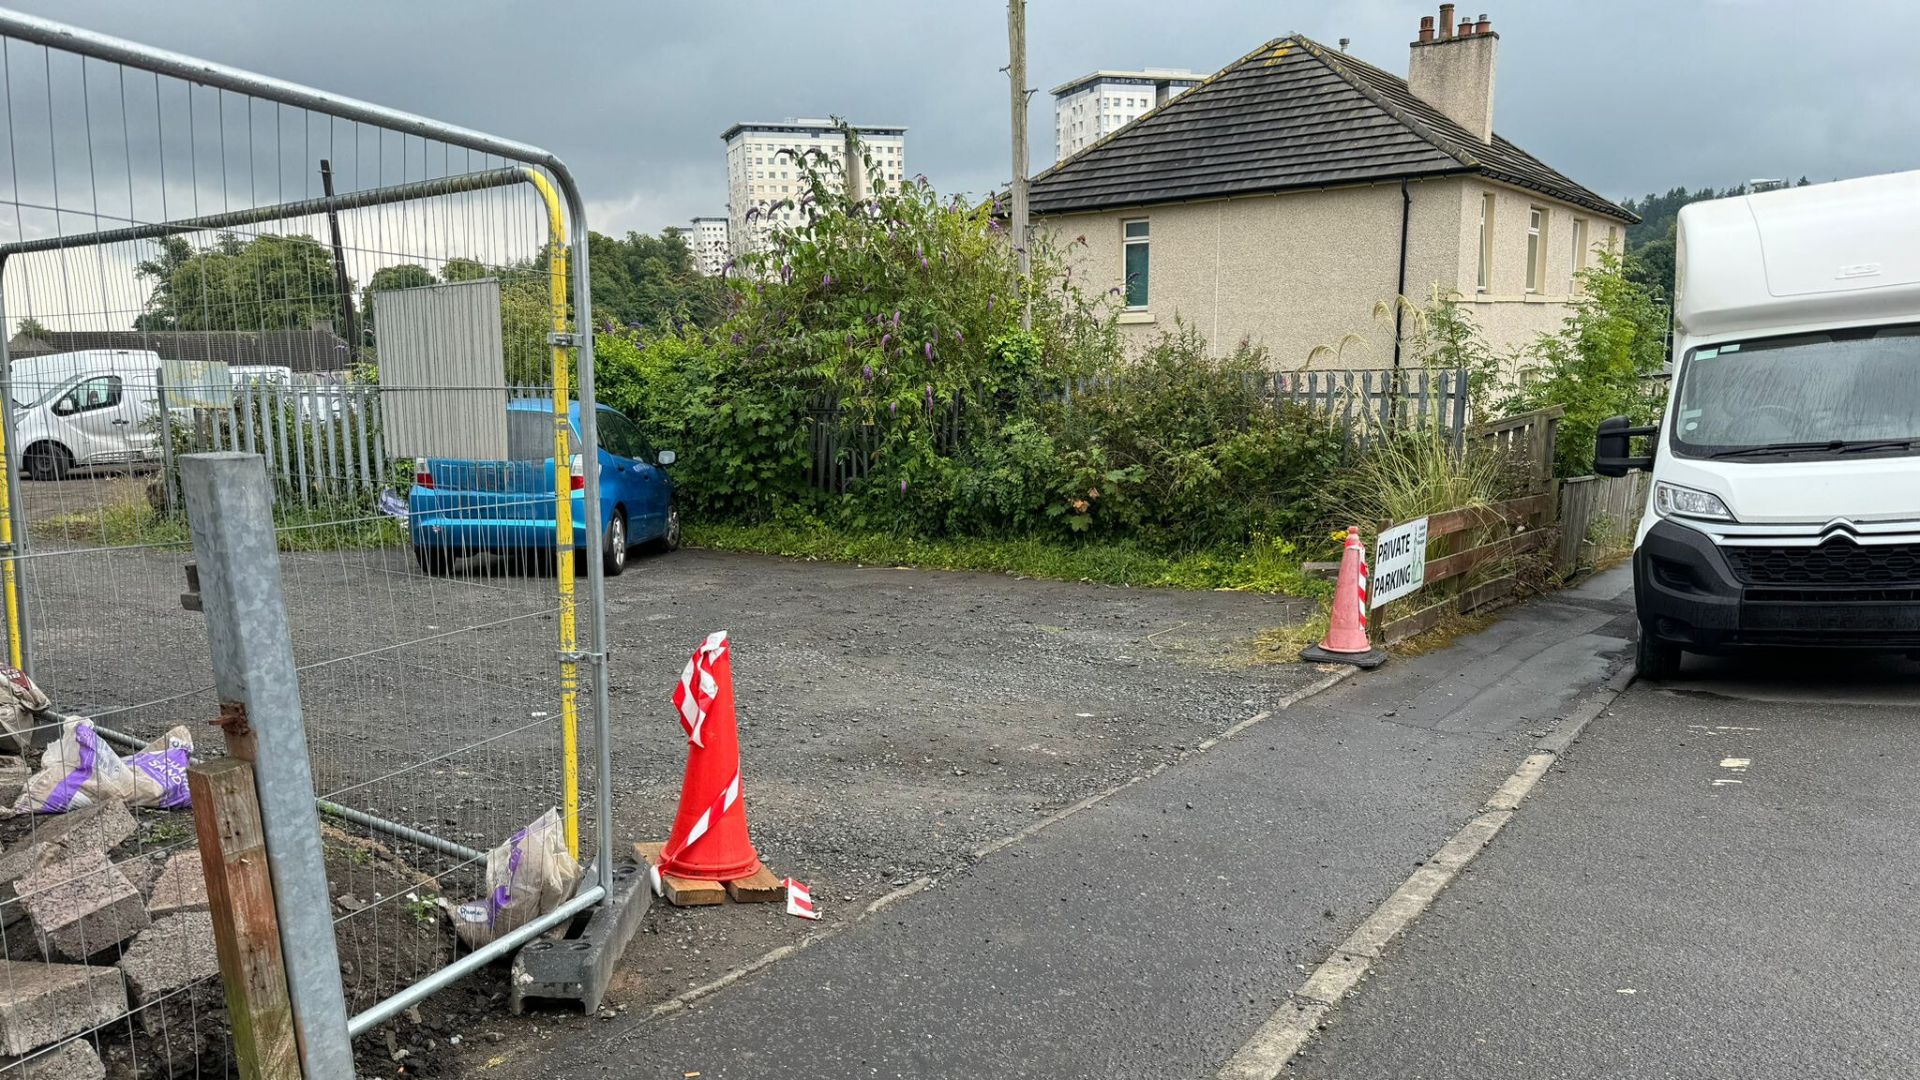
(1346, 641)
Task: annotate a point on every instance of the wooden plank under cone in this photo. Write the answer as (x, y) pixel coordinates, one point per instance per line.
(759, 887)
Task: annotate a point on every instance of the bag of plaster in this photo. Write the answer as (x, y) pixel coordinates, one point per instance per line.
(80, 769)
(160, 771)
(528, 876)
(21, 703)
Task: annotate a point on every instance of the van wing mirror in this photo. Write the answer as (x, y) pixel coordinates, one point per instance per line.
(1613, 447)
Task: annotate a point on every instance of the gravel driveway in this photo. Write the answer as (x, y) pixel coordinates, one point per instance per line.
(893, 721)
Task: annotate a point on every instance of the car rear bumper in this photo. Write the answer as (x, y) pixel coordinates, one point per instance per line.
(488, 521)
(489, 534)
(1687, 594)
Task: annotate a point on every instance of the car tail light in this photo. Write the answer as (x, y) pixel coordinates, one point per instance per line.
(578, 466)
(423, 478)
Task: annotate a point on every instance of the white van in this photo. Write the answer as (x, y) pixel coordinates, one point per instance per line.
(83, 409)
(1785, 504)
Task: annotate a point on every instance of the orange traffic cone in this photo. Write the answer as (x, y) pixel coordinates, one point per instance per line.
(708, 841)
(1346, 641)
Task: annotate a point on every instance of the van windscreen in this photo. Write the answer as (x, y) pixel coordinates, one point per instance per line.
(1807, 395)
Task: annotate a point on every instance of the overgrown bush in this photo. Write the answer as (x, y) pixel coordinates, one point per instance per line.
(896, 320)
(1600, 363)
(1181, 446)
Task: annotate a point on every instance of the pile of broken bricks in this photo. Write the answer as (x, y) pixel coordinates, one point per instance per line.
(88, 939)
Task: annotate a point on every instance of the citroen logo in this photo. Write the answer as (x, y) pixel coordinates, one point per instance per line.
(1837, 528)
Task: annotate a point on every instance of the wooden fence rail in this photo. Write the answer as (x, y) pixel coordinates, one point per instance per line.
(1460, 542)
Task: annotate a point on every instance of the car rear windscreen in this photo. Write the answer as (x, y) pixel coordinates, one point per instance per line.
(530, 436)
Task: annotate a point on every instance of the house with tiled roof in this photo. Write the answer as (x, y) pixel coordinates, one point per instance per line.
(1281, 200)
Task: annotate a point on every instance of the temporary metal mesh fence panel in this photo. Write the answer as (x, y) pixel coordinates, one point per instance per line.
(190, 266)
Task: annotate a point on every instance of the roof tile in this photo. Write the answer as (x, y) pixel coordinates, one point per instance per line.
(1289, 115)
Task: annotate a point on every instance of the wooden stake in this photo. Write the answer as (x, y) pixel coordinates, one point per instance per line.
(246, 926)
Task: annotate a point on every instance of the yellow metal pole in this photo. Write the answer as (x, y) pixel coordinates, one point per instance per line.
(9, 579)
(562, 523)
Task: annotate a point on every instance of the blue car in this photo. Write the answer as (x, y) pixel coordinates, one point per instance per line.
(459, 508)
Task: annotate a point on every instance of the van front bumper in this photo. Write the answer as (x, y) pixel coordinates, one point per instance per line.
(1687, 594)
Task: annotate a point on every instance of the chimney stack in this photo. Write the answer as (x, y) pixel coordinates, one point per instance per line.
(1453, 70)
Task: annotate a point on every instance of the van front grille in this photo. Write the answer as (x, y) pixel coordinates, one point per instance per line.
(1836, 562)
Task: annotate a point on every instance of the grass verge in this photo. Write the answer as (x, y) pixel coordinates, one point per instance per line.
(300, 528)
(1266, 565)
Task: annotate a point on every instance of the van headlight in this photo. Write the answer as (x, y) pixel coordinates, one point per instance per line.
(1672, 500)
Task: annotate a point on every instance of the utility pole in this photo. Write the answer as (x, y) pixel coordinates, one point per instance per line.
(340, 263)
(1017, 79)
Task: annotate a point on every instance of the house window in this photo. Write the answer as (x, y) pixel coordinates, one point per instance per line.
(1485, 279)
(1134, 240)
(1579, 244)
(1536, 236)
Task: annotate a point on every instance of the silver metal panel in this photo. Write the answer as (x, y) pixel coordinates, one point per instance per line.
(443, 371)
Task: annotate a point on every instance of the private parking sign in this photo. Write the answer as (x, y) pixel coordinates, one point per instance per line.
(1399, 562)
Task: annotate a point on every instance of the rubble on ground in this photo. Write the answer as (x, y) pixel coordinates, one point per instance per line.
(171, 955)
(82, 906)
(40, 1004)
(71, 1060)
(182, 886)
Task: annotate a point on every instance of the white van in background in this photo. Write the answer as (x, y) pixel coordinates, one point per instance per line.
(1785, 504)
(78, 410)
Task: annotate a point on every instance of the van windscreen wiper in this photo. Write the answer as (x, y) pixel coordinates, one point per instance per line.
(1778, 449)
(1831, 446)
(1871, 446)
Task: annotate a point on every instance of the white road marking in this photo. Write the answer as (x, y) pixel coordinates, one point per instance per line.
(1266, 1054)
(1737, 763)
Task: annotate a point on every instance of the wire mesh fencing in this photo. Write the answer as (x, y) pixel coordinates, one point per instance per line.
(380, 308)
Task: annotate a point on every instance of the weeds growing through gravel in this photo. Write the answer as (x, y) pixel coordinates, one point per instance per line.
(1265, 565)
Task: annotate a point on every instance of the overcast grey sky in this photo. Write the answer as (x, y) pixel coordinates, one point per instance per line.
(1627, 96)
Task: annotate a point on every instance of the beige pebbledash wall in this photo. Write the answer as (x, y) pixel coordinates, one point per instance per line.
(1303, 273)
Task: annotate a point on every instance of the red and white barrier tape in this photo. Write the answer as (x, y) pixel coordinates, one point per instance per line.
(1365, 577)
(800, 900)
(700, 826)
(697, 688)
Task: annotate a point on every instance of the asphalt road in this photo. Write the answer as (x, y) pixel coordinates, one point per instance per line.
(1717, 881)
(1153, 932)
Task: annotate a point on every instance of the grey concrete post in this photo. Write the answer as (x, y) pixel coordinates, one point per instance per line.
(229, 509)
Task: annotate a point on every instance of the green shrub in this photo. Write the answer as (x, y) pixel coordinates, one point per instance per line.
(892, 324)
(1600, 363)
(1181, 447)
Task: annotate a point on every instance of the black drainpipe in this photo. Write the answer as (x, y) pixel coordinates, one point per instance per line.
(1400, 290)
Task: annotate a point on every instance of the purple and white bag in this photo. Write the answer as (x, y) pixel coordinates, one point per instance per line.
(80, 769)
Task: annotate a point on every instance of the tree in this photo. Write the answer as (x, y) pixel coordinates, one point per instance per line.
(31, 327)
(650, 281)
(462, 270)
(263, 283)
(1600, 363)
(162, 310)
(388, 278)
